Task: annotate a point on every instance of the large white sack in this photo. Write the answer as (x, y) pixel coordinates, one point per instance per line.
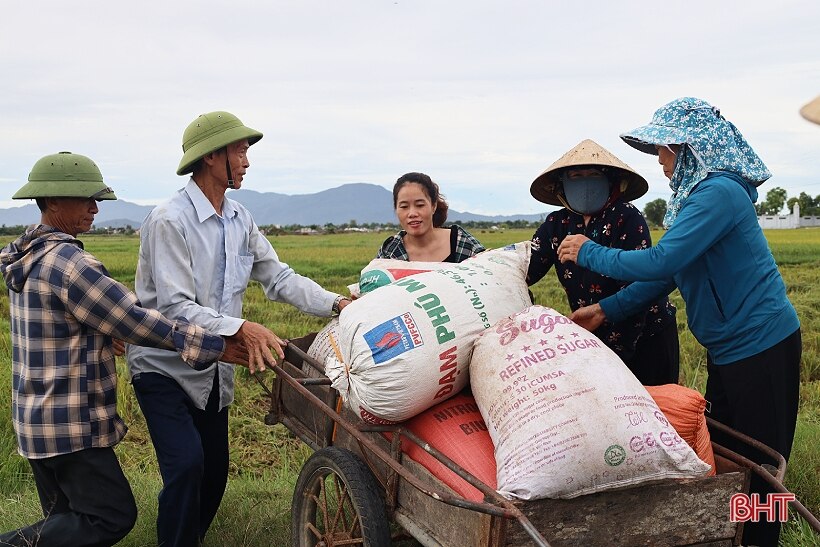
(566, 416)
(326, 343)
(383, 271)
(407, 345)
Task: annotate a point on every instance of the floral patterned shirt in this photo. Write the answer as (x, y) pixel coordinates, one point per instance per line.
(619, 226)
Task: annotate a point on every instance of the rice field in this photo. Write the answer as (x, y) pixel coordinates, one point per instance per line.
(265, 460)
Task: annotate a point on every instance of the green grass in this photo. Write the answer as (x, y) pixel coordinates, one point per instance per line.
(265, 460)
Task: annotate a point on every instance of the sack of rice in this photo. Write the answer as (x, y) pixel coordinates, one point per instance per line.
(383, 271)
(684, 408)
(566, 416)
(455, 428)
(407, 346)
(326, 343)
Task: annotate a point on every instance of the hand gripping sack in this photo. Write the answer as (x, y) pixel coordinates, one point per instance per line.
(566, 416)
(407, 345)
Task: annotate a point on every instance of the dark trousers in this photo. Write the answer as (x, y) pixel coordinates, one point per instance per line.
(758, 396)
(656, 360)
(192, 451)
(86, 501)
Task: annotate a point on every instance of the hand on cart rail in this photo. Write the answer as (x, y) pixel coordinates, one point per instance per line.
(259, 340)
(236, 351)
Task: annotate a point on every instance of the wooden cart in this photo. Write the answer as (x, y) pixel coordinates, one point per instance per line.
(358, 488)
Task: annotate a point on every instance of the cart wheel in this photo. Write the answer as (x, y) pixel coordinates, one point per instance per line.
(337, 501)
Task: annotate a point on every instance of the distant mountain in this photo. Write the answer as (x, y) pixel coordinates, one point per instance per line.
(364, 203)
(360, 202)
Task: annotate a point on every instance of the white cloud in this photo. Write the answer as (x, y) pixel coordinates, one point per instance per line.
(481, 95)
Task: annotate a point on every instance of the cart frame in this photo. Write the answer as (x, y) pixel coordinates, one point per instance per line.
(669, 512)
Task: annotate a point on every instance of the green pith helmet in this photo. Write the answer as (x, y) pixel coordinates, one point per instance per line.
(210, 132)
(65, 175)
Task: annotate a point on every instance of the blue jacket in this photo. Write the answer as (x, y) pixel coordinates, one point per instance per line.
(718, 257)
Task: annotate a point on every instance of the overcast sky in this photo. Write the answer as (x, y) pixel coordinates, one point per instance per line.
(480, 95)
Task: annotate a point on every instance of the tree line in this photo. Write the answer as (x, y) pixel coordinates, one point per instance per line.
(776, 199)
(773, 204)
(331, 228)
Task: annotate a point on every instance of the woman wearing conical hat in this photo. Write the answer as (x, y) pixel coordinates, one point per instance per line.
(595, 189)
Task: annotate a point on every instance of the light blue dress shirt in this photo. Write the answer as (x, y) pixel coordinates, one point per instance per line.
(196, 264)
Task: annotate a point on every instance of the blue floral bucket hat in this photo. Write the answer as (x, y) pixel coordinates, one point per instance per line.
(709, 143)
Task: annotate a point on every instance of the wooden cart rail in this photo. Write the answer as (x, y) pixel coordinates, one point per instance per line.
(502, 507)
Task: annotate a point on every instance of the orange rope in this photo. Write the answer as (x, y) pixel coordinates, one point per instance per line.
(347, 371)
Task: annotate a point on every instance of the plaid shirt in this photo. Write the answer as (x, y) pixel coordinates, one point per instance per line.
(65, 309)
(462, 246)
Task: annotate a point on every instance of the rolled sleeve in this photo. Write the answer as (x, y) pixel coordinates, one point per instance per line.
(197, 347)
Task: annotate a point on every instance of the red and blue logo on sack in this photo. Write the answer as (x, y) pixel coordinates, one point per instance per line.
(393, 337)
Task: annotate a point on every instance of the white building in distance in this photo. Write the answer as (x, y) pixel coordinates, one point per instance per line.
(781, 222)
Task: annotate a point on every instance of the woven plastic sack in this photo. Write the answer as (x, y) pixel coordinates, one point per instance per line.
(383, 271)
(326, 343)
(566, 416)
(407, 345)
(454, 428)
(684, 407)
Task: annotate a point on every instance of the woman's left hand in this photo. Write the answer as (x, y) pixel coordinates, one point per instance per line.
(569, 248)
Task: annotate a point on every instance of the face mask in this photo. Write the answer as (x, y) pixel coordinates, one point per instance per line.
(586, 195)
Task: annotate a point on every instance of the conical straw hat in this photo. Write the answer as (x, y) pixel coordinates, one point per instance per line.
(812, 111)
(546, 187)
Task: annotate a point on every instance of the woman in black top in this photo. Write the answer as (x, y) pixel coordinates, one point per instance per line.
(595, 188)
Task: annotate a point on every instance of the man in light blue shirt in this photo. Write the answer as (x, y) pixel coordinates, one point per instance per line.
(198, 250)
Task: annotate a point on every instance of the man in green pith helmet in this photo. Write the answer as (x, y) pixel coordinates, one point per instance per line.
(198, 251)
(66, 312)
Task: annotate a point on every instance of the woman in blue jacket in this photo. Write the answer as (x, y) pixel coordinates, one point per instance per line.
(716, 254)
